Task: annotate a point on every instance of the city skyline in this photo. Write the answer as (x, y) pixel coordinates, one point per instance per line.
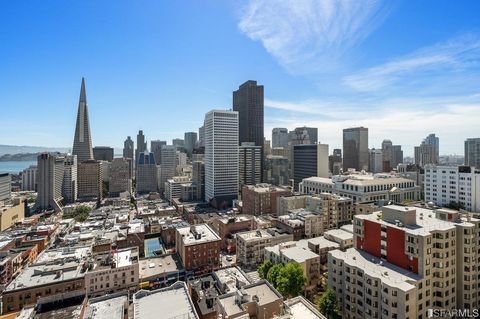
(389, 87)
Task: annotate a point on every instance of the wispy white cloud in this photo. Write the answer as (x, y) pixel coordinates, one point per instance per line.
(403, 120)
(310, 35)
(457, 56)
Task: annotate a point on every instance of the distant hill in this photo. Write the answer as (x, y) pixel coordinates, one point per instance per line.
(14, 149)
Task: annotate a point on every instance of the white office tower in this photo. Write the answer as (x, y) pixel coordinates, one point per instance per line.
(49, 182)
(120, 180)
(69, 187)
(29, 178)
(221, 157)
(169, 164)
(445, 185)
(375, 160)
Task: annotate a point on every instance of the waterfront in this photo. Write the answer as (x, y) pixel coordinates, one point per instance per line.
(15, 167)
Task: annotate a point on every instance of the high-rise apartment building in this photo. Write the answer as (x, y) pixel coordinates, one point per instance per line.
(250, 161)
(445, 185)
(425, 154)
(472, 152)
(431, 139)
(190, 139)
(375, 158)
(169, 164)
(29, 178)
(70, 181)
(103, 153)
(49, 181)
(141, 145)
(221, 156)
(89, 180)
(82, 143)
(279, 137)
(120, 177)
(5, 187)
(156, 149)
(309, 160)
(198, 178)
(146, 173)
(406, 263)
(128, 148)
(355, 148)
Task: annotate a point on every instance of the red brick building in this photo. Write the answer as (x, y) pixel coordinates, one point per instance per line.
(262, 198)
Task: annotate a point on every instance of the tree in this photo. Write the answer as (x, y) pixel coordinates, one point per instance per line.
(264, 268)
(328, 304)
(80, 213)
(273, 273)
(290, 281)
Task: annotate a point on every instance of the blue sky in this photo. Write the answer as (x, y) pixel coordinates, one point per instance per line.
(402, 68)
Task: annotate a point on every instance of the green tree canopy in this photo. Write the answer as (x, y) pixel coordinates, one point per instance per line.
(273, 273)
(264, 268)
(328, 304)
(291, 280)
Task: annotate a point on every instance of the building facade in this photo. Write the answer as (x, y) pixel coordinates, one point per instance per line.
(103, 153)
(262, 198)
(445, 185)
(90, 180)
(120, 177)
(29, 178)
(70, 179)
(146, 173)
(250, 164)
(50, 181)
(279, 137)
(355, 148)
(309, 160)
(221, 157)
(472, 152)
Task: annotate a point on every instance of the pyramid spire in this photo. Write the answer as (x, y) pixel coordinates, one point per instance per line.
(82, 143)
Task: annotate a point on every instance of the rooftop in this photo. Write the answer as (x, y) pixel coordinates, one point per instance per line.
(298, 254)
(73, 253)
(338, 233)
(162, 265)
(259, 234)
(227, 279)
(197, 234)
(174, 301)
(43, 274)
(300, 308)
(106, 307)
(374, 267)
(265, 188)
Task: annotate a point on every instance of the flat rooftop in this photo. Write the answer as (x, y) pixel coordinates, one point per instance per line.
(372, 266)
(162, 265)
(228, 277)
(258, 234)
(322, 242)
(299, 254)
(37, 275)
(197, 234)
(339, 233)
(300, 308)
(50, 255)
(173, 301)
(106, 307)
(425, 220)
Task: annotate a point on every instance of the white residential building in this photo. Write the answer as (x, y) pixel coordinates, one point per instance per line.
(446, 184)
(29, 178)
(69, 187)
(221, 156)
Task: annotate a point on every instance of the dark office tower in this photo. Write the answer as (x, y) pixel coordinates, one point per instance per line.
(279, 137)
(82, 144)
(128, 148)
(156, 149)
(103, 153)
(355, 148)
(309, 160)
(303, 135)
(387, 155)
(190, 139)
(472, 152)
(397, 157)
(248, 102)
(141, 145)
(201, 136)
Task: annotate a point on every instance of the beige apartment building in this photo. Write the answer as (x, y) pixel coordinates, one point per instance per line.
(89, 180)
(251, 244)
(407, 260)
(114, 271)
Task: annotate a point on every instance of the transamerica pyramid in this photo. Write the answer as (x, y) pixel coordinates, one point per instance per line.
(82, 144)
